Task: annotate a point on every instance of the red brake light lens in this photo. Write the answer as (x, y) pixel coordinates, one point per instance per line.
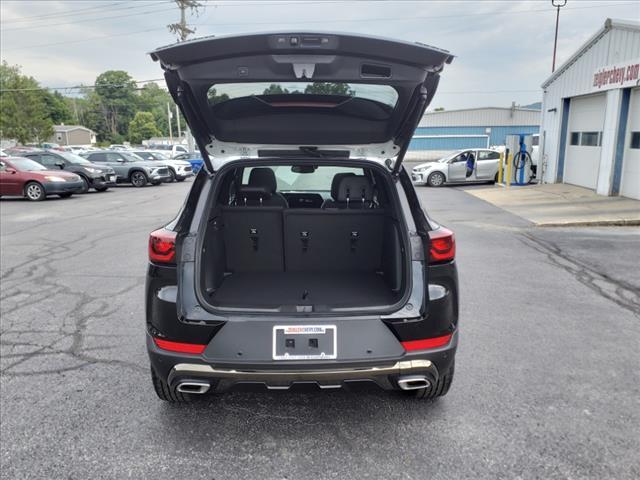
(443, 245)
(179, 347)
(162, 246)
(426, 343)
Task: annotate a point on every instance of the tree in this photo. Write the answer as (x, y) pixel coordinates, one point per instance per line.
(330, 88)
(57, 109)
(115, 90)
(23, 112)
(154, 99)
(438, 109)
(214, 98)
(142, 127)
(275, 89)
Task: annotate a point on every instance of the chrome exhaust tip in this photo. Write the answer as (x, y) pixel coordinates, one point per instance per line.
(413, 382)
(197, 388)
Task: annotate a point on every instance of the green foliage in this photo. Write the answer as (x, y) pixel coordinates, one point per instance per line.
(115, 92)
(23, 112)
(57, 108)
(142, 127)
(438, 109)
(214, 98)
(329, 88)
(275, 89)
(154, 99)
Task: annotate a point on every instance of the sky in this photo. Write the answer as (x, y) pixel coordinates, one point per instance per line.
(503, 48)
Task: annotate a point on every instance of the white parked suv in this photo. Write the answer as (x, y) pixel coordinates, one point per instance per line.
(169, 150)
(178, 169)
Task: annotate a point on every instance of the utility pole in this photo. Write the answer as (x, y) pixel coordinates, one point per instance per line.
(169, 120)
(178, 122)
(181, 29)
(558, 4)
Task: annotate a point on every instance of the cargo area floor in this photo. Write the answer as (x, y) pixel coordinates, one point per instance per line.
(320, 289)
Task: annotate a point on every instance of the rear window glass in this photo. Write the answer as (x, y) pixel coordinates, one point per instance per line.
(318, 181)
(222, 92)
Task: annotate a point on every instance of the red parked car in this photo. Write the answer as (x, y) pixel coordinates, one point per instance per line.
(26, 178)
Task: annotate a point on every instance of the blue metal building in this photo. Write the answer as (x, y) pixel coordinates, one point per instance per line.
(444, 131)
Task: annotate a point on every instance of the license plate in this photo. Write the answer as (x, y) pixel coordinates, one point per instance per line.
(304, 342)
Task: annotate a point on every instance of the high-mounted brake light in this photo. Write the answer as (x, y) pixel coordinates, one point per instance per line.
(426, 343)
(179, 347)
(443, 245)
(162, 246)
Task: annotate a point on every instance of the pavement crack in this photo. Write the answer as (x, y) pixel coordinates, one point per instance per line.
(618, 291)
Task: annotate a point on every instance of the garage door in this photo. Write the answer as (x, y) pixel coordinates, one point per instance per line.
(630, 182)
(584, 140)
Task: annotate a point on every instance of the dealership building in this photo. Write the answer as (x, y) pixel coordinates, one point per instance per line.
(590, 129)
(441, 132)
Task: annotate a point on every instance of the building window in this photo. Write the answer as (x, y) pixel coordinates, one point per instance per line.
(590, 139)
(575, 138)
(635, 140)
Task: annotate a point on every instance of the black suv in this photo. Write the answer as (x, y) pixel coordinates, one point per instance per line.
(302, 253)
(93, 176)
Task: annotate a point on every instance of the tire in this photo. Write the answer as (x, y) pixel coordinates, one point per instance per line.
(156, 183)
(182, 179)
(101, 189)
(167, 394)
(172, 174)
(65, 195)
(85, 185)
(440, 389)
(436, 179)
(34, 192)
(138, 178)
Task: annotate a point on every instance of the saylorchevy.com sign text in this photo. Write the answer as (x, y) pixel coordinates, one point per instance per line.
(622, 75)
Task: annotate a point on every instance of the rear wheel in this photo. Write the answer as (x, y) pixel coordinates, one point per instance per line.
(138, 179)
(436, 179)
(440, 388)
(101, 189)
(181, 179)
(34, 192)
(165, 393)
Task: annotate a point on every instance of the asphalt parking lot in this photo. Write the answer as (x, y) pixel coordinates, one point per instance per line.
(547, 377)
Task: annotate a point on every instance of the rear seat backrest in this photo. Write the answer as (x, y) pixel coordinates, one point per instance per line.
(253, 238)
(333, 240)
(354, 191)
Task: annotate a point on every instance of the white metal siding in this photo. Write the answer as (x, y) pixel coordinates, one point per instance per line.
(630, 182)
(615, 45)
(582, 163)
(481, 117)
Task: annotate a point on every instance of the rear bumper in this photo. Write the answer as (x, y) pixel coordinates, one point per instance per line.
(180, 368)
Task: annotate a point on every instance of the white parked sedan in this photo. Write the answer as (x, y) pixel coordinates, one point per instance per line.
(455, 168)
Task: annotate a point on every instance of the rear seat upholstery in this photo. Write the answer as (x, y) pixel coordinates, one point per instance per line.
(349, 237)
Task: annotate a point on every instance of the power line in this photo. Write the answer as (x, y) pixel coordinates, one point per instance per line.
(80, 87)
(75, 22)
(411, 18)
(122, 34)
(82, 12)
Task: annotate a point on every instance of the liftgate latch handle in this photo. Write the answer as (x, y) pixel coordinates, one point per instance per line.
(304, 238)
(354, 241)
(253, 235)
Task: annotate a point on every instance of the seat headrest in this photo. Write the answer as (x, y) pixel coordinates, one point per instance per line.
(355, 188)
(252, 195)
(263, 177)
(335, 183)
